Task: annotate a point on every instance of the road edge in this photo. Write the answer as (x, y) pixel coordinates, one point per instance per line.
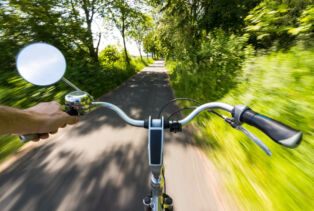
(17, 155)
(224, 199)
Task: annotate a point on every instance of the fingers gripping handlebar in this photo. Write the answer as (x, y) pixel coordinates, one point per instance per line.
(30, 137)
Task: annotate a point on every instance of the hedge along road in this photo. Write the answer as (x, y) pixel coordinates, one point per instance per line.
(102, 163)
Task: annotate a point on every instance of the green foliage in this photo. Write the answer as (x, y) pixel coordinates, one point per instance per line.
(281, 86)
(184, 24)
(219, 60)
(125, 15)
(27, 21)
(209, 59)
(8, 145)
(66, 24)
(275, 23)
(109, 54)
(140, 30)
(305, 29)
(152, 44)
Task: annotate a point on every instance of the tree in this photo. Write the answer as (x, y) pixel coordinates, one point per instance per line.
(90, 9)
(152, 44)
(183, 25)
(68, 25)
(109, 54)
(124, 14)
(140, 30)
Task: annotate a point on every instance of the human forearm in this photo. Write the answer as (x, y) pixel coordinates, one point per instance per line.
(42, 118)
(17, 121)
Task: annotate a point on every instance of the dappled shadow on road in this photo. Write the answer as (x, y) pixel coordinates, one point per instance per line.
(52, 177)
(43, 184)
(141, 96)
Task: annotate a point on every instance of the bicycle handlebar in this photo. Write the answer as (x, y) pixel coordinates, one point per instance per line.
(124, 116)
(213, 105)
(280, 133)
(141, 123)
(277, 131)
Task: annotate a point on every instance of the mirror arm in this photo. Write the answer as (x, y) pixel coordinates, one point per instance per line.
(70, 84)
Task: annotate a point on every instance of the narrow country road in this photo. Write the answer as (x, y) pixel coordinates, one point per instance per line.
(102, 163)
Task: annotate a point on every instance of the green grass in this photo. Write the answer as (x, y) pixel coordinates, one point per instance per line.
(281, 86)
(96, 79)
(8, 145)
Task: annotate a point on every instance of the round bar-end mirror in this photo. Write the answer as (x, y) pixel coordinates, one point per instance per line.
(41, 64)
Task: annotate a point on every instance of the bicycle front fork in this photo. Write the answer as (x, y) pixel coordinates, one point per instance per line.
(157, 201)
(166, 203)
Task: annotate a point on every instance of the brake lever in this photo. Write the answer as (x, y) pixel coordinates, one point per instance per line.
(255, 139)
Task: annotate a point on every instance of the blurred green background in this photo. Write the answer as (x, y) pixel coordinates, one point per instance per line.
(68, 26)
(254, 52)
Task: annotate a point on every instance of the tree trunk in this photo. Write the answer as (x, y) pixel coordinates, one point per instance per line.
(125, 51)
(139, 49)
(89, 18)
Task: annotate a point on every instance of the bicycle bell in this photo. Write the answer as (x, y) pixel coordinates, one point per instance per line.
(79, 101)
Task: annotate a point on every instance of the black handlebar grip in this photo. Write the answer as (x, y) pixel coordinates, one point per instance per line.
(30, 137)
(277, 131)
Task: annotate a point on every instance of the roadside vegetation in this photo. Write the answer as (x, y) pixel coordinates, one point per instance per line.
(260, 54)
(69, 28)
(254, 52)
(279, 85)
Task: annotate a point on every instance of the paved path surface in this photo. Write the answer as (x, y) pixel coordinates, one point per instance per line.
(101, 163)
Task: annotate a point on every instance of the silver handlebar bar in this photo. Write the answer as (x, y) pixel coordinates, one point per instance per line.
(140, 123)
(214, 105)
(124, 116)
(203, 107)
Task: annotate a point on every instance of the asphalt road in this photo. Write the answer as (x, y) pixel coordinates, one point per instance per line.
(102, 163)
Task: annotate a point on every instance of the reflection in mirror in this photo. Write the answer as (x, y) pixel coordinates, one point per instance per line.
(41, 64)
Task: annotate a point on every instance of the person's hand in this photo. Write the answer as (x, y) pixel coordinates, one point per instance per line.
(50, 117)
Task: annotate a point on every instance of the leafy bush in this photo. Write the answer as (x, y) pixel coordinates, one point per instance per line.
(214, 69)
(275, 24)
(109, 54)
(305, 29)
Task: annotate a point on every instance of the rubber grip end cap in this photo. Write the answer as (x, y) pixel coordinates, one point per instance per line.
(293, 141)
